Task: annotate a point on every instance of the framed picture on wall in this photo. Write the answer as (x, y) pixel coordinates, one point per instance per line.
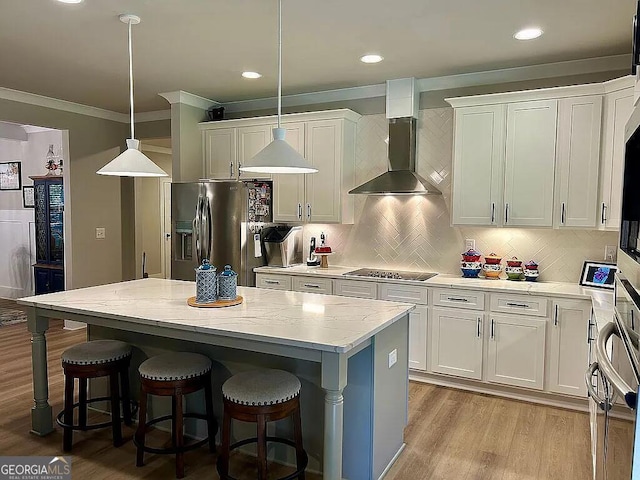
(10, 178)
(28, 197)
(598, 274)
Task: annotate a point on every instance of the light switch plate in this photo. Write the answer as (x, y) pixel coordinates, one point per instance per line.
(469, 244)
(101, 232)
(393, 357)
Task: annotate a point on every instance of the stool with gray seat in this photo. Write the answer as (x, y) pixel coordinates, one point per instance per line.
(97, 358)
(262, 396)
(175, 374)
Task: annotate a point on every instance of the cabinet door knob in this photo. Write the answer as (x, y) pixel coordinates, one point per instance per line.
(493, 212)
(603, 214)
(231, 169)
(555, 316)
(493, 328)
(506, 213)
(308, 211)
(562, 214)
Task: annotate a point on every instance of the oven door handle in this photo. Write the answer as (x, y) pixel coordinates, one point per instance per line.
(591, 391)
(606, 368)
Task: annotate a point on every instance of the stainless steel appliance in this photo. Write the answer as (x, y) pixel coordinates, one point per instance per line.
(391, 274)
(282, 245)
(221, 221)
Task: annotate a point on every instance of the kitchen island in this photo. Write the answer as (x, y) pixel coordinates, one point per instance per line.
(330, 339)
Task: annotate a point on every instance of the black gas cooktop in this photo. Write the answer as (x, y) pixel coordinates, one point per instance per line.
(391, 274)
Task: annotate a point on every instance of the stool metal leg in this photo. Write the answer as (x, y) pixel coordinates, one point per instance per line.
(178, 433)
(297, 435)
(82, 400)
(211, 422)
(115, 409)
(141, 430)
(262, 447)
(67, 436)
(126, 395)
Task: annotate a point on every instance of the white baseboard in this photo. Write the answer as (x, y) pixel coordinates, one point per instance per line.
(11, 293)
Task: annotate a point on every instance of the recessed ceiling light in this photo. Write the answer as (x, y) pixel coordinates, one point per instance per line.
(528, 33)
(70, 1)
(251, 75)
(371, 59)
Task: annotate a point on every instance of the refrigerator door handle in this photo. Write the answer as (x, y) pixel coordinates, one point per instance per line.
(196, 230)
(205, 213)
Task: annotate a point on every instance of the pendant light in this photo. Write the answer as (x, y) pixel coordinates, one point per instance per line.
(132, 162)
(278, 156)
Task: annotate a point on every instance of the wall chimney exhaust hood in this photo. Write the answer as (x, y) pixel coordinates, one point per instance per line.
(401, 178)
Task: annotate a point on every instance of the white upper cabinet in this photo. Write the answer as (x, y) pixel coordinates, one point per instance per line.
(578, 161)
(220, 153)
(250, 141)
(326, 139)
(478, 161)
(288, 197)
(618, 106)
(561, 165)
(530, 163)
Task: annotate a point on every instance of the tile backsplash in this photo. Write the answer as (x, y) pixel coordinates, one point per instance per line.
(414, 233)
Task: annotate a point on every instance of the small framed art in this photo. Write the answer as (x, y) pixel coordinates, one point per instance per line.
(598, 274)
(10, 178)
(28, 198)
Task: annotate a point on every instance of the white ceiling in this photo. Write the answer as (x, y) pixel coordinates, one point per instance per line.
(79, 52)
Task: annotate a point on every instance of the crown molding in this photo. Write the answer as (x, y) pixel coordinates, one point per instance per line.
(326, 96)
(490, 77)
(621, 83)
(64, 105)
(186, 98)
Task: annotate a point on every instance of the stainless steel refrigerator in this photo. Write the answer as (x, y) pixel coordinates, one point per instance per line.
(220, 220)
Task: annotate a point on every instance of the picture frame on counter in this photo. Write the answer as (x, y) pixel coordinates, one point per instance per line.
(598, 274)
(10, 176)
(28, 197)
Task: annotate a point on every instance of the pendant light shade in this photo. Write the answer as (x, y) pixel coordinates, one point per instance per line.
(278, 156)
(132, 162)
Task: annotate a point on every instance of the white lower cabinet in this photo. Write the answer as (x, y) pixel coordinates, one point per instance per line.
(418, 321)
(515, 352)
(275, 282)
(355, 288)
(456, 342)
(568, 348)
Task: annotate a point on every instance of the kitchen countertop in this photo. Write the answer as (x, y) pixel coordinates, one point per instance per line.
(602, 299)
(307, 320)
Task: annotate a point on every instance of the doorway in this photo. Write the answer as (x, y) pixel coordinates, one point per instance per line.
(153, 214)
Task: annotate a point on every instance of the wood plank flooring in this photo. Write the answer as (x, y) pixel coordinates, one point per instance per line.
(452, 434)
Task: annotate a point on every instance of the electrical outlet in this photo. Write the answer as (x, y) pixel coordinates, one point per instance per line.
(469, 244)
(101, 232)
(393, 357)
(610, 253)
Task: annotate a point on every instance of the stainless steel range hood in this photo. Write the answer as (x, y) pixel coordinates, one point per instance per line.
(401, 178)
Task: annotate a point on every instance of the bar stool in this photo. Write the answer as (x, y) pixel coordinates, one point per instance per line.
(97, 358)
(175, 374)
(262, 396)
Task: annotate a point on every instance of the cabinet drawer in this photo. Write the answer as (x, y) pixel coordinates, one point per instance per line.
(276, 282)
(402, 293)
(312, 284)
(445, 297)
(355, 288)
(525, 305)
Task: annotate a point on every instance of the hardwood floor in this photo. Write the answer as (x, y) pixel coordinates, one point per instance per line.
(452, 434)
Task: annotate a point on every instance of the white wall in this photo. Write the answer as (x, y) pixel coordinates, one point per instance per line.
(17, 230)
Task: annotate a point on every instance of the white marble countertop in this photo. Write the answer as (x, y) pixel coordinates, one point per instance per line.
(602, 300)
(307, 320)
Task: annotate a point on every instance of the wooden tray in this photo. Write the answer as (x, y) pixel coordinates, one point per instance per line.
(191, 301)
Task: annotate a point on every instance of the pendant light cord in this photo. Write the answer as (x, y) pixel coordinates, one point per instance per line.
(131, 79)
(279, 61)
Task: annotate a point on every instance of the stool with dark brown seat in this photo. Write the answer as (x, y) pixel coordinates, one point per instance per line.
(175, 374)
(97, 358)
(262, 396)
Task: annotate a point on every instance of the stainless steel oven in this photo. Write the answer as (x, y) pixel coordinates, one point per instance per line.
(612, 380)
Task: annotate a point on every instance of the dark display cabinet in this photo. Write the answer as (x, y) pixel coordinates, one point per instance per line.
(49, 210)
